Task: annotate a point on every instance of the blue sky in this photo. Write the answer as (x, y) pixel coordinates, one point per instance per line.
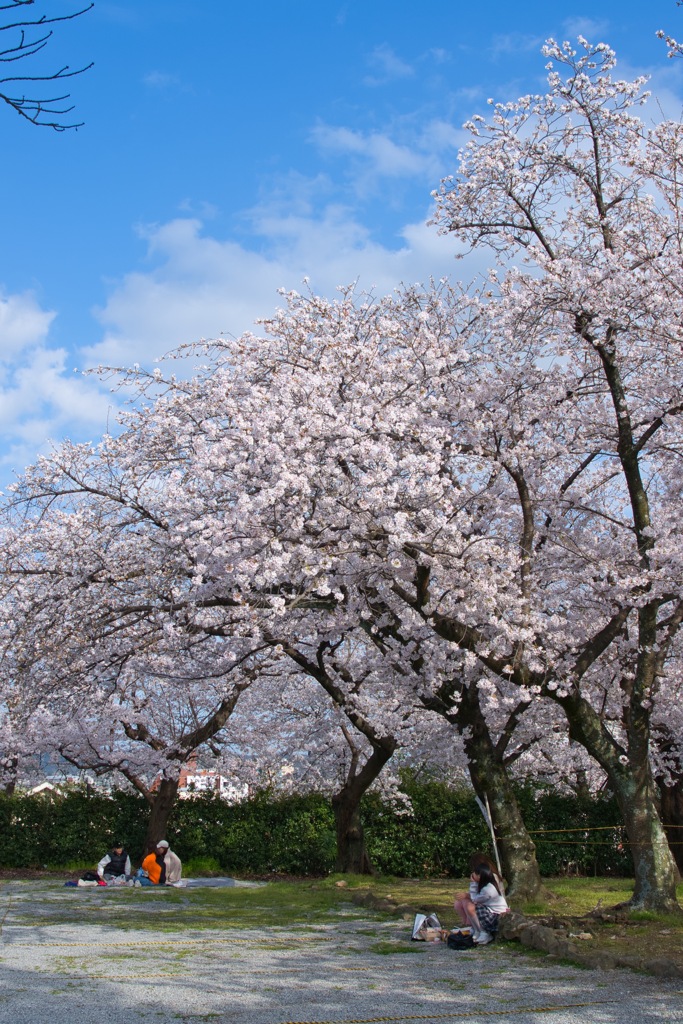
(232, 149)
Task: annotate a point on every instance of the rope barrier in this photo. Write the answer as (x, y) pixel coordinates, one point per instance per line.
(459, 1014)
(587, 842)
(281, 940)
(596, 828)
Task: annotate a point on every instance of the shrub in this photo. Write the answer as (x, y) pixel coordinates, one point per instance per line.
(296, 835)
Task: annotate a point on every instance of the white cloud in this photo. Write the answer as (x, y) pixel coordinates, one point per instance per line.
(382, 156)
(160, 79)
(40, 396)
(23, 324)
(386, 66)
(203, 286)
(438, 55)
(515, 42)
(425, 152)
(591, 29)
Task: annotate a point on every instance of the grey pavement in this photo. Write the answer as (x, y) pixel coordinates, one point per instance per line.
(343, 972)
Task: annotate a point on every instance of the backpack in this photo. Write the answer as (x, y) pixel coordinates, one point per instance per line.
(460, 940)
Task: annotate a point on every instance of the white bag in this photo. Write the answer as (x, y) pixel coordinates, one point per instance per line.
(426, 928)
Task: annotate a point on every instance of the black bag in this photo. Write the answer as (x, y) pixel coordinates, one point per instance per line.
(90, 876)
(460, 940)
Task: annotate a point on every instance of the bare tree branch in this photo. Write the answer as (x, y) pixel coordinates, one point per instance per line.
(44, 111)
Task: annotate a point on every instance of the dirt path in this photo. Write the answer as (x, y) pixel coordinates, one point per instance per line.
(88, 970)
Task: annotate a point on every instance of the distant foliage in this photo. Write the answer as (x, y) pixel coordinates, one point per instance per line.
(41, 831)
(437, 838)
(291, 836)
(296, 835)
(597, 850)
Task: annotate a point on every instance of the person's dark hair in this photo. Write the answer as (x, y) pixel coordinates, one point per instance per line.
(486, 877)
(479, 859)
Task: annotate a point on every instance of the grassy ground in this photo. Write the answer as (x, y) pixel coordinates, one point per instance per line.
(309, 902)
(41, 902)
(568, 903)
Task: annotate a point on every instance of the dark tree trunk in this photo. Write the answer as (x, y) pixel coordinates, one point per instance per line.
(632, 783)
(672, 816)
(162, 803)
(352, 854)
(654, 867)
(490, 779)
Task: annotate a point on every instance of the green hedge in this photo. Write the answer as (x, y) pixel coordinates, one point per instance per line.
(437, 838)
(296, 835)
(37, 831)
(289, 836)
(600, 848)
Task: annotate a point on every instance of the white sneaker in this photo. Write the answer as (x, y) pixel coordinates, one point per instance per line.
(483, 938)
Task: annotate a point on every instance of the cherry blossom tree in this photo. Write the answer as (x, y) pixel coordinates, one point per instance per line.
(346, 672)
(345, 473)
(588, 340)
(347, 378)
(309, 735)
(453, 505)
(115, 623)
(212, 516)
(147, 736)
(486, 483)
(101, 663)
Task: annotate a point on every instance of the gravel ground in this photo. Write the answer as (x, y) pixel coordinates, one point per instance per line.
(335, 973)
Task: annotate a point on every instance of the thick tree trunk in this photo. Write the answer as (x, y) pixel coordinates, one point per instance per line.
(162, 803)
(352, 854)
(631, 781)
(671, 794)
(672, 816)
(490, 779)
(654, 867)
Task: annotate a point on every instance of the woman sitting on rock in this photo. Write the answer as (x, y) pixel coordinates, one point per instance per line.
(482, 906)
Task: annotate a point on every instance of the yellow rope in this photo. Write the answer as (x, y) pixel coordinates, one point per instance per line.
(578, 842)
(272, 939)
(459, 1014)
(597, 828)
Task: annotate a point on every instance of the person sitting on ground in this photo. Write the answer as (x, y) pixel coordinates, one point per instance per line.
(153, 870)
(172, 863)
(161, 866)
(482, 906)
(463, 903)
(115, 863)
